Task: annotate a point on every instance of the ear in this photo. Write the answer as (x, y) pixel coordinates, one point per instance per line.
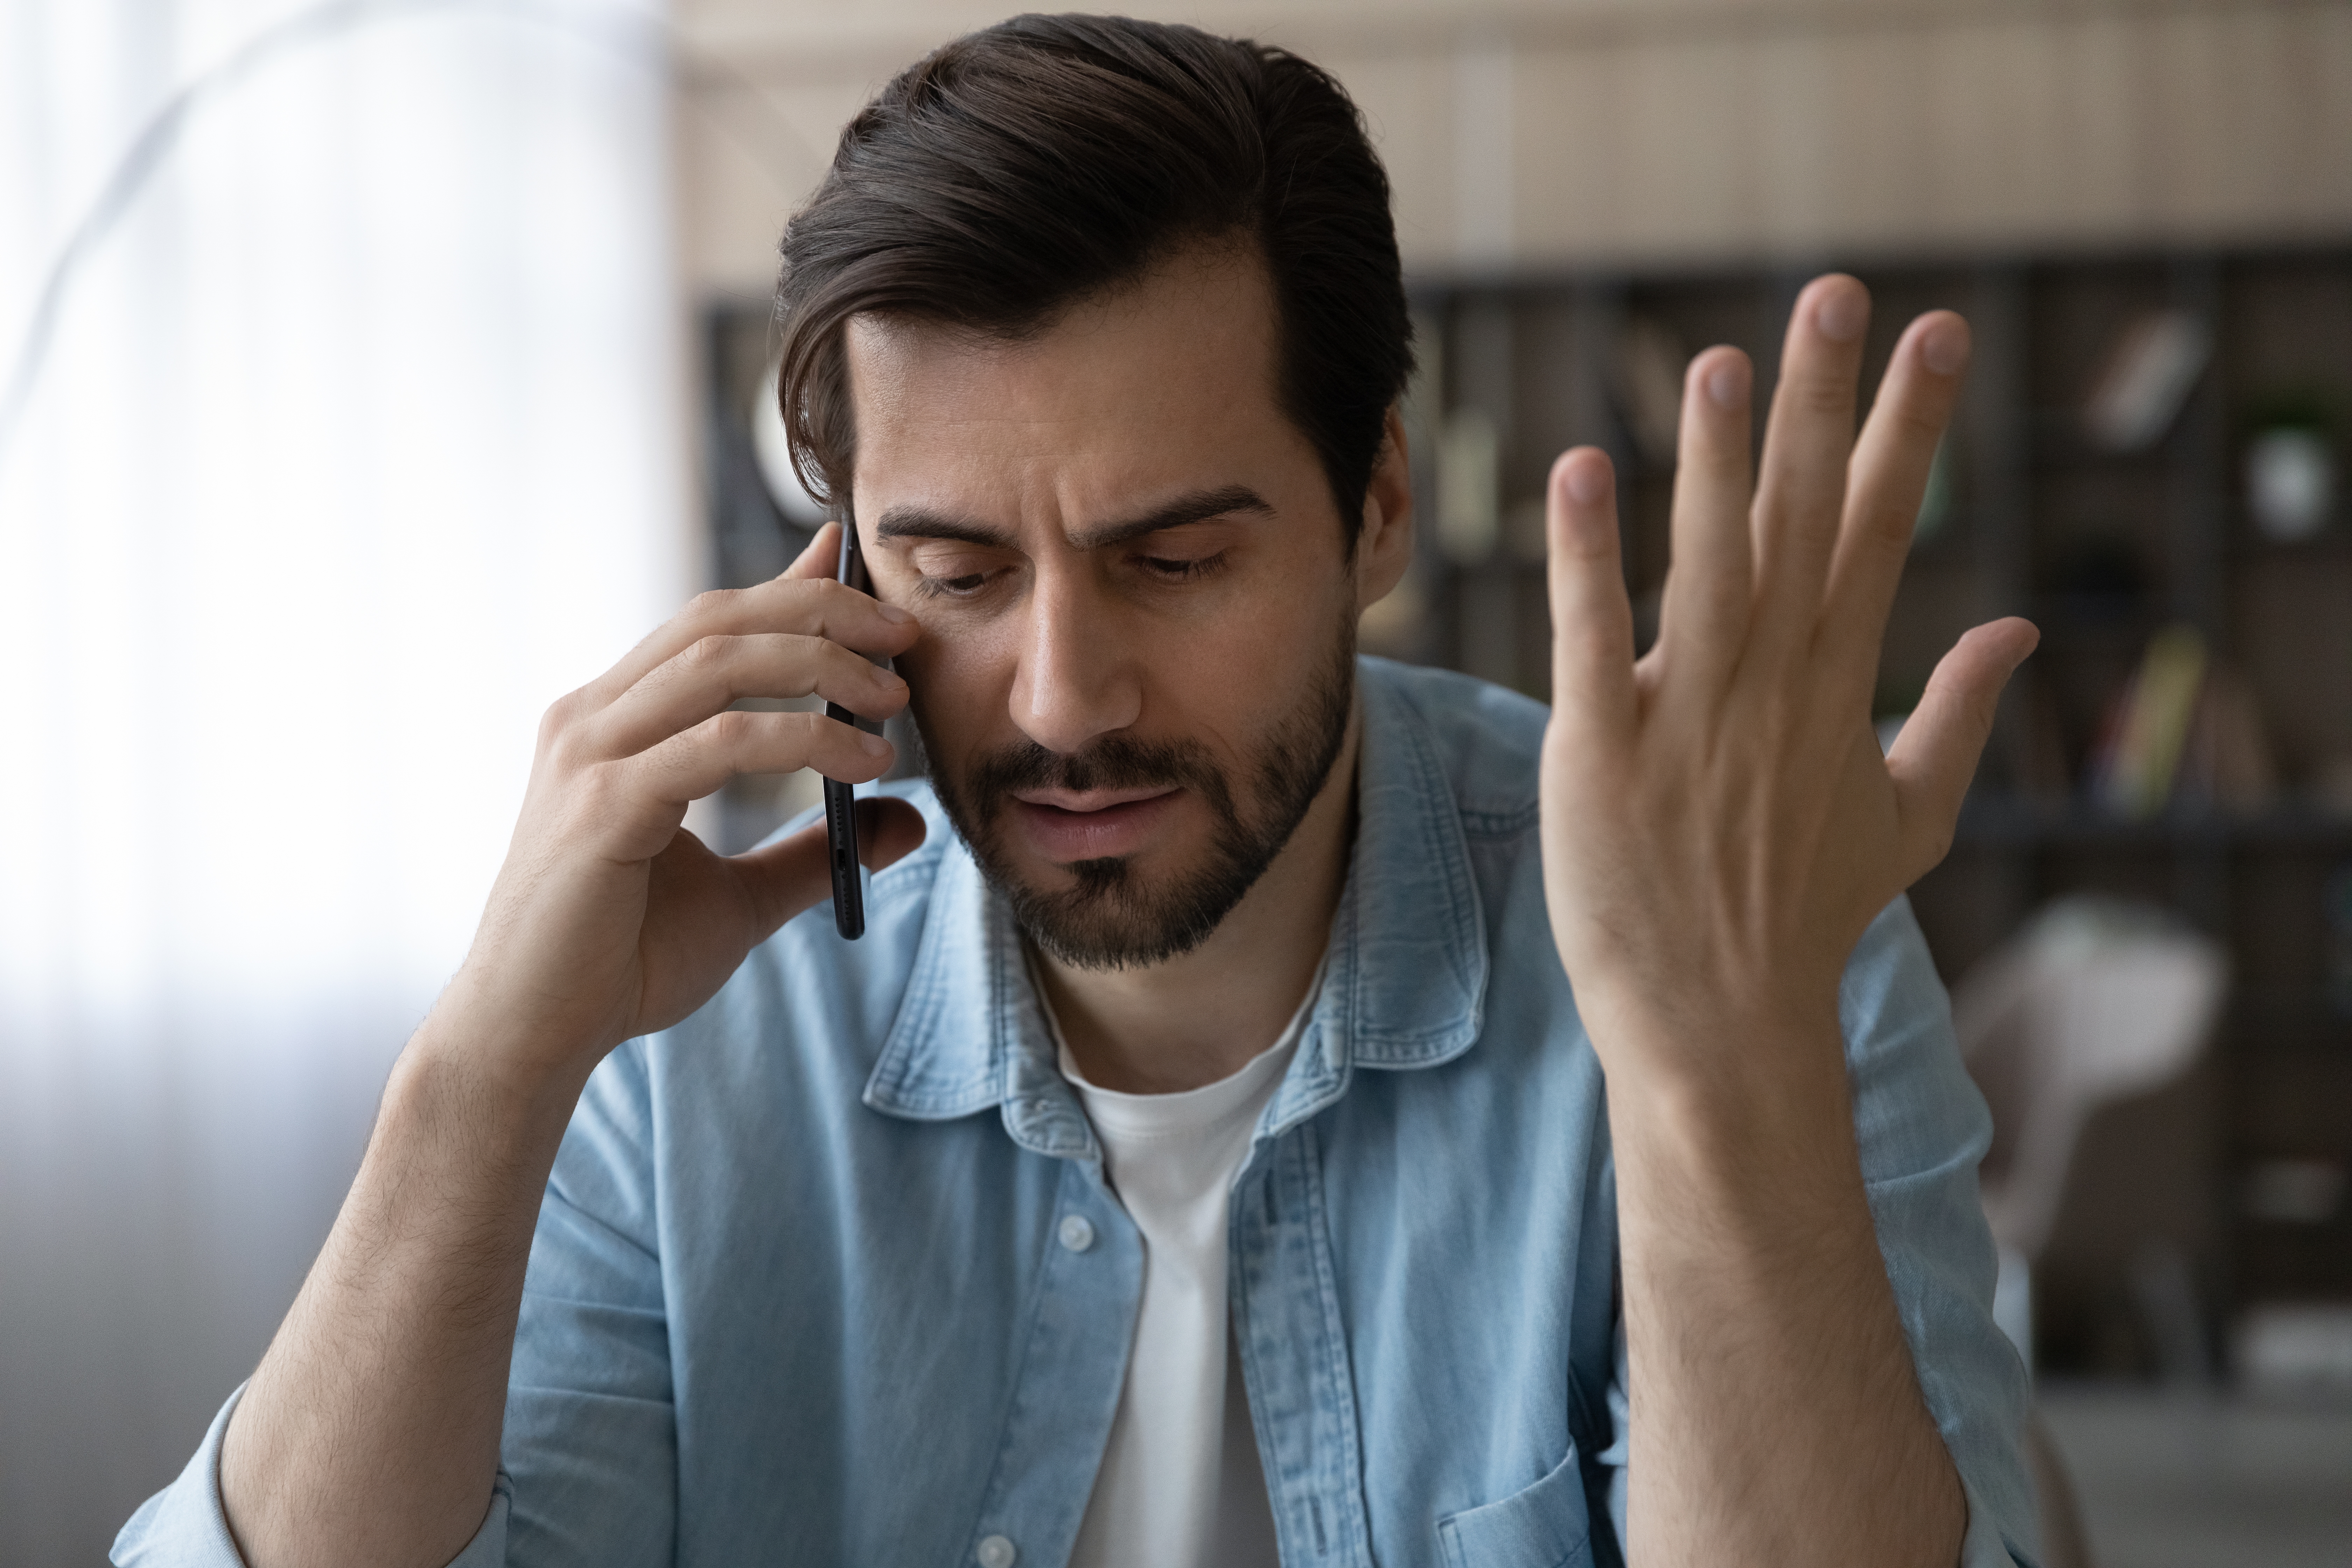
(1384, 545)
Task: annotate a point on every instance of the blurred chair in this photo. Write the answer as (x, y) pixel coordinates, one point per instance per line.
(2095, 1001)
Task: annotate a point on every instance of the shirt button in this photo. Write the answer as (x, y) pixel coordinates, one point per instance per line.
(1076, 1236)
(995, 1550)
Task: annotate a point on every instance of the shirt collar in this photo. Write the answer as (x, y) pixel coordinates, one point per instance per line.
(1404, 983)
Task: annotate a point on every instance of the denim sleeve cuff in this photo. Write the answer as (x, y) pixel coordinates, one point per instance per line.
(1986, 1544)
(183, 1526)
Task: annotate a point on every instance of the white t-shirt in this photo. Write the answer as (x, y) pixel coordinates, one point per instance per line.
(1181, 1486)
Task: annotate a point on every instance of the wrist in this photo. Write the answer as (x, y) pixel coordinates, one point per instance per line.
(507, 1033)
(454, 1072)
(1716, 1050)
(1748, 1126)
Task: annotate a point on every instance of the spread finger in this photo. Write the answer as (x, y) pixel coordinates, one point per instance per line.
(1885, 479)
(1710, 584)
(1592, 619)
(1800, 482)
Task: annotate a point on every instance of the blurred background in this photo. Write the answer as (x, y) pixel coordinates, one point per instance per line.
(377, 371)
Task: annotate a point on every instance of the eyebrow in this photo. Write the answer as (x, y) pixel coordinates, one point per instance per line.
(1198, 506)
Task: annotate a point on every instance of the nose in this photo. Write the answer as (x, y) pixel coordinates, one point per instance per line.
(1077, 679)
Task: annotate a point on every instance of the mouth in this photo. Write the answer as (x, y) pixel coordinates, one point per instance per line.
(1068, 825)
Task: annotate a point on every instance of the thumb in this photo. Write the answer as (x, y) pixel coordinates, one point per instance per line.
(784, 878)
(1934, 757)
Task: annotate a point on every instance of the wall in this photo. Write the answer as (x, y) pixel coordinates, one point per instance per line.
(1663, 131)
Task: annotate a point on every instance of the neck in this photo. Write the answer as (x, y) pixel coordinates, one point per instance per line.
(1199, 1018)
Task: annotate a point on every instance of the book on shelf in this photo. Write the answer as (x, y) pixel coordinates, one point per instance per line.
(2137, 760)
(2184, 728)
(2227, 762)
(2145, 379)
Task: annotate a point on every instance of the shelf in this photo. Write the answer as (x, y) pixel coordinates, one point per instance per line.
(2331, 545)
(1997, 822)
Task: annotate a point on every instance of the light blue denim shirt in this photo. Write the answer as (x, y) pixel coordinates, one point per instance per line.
(806, 1288)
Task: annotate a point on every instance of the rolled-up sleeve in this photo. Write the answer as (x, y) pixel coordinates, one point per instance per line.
(184, 1526)
(588, 1456)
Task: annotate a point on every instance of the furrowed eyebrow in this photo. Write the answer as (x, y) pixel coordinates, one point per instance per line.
(919, 522)
(1198, 506)
(916, 522)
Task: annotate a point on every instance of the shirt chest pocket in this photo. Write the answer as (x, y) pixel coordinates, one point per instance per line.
(1545, 1526)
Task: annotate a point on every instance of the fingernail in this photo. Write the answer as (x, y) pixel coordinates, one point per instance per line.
(1945, 348)
(1587, 482)
(1726, 383)
(1842, 314)
(876, 746)
(893, 614)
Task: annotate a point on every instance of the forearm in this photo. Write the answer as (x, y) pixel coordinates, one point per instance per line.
(370, 1432)
(1777, 1417)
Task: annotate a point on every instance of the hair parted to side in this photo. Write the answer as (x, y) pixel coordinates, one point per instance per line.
(1024, 167)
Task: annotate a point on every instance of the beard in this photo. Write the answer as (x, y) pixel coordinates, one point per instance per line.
(1114, 917)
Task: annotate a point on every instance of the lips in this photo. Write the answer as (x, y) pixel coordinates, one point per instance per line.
(1068, 825)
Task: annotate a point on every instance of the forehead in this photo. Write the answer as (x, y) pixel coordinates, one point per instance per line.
(1150, 386)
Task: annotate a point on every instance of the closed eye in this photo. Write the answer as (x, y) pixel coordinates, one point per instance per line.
(1179, 569)
(959, 587)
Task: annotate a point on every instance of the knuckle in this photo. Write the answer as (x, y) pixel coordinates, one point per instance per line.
(598, 793)
(732, 730)
(707, 653)
(835, 601)
(1919, 421)
(1984, 711)
(797, 660)
(1887, 529)
(1592, 642)
(714, 605)
(559, 730)
(1592, 546)
(561, 748)
(1822, 394)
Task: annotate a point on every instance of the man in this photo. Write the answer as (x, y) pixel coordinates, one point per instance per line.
(1205, 1154)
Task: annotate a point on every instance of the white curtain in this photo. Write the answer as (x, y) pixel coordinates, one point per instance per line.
(360, 439)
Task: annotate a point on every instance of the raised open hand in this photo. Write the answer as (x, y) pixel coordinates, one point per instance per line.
(1719, 823)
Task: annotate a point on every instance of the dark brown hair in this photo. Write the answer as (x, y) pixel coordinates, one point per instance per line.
(1026, 167)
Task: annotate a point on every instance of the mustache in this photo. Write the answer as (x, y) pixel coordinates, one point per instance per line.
(1111, 762)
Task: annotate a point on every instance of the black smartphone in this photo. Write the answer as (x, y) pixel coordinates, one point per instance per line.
(841, 799)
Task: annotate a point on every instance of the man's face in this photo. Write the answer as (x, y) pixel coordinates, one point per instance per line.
(1138, 608)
